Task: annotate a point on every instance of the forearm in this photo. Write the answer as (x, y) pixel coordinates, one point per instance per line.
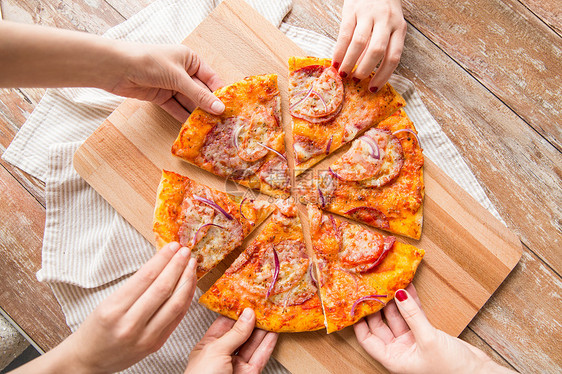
(35, 56)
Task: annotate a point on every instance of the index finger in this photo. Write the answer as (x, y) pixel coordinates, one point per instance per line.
(126, 296)
(204, 72)
(345, 35)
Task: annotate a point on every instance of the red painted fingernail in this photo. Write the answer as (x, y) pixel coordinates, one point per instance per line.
(343, 74)
(356, 80)
(373, 89)
(401, 295)
(336, 65)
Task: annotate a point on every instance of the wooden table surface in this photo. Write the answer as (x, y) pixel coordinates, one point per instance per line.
(490, 72)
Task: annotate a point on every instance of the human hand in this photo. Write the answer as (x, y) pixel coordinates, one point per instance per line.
(136, 319)
(171, 76)
(408, 343)
(215, 353)
(371, 31)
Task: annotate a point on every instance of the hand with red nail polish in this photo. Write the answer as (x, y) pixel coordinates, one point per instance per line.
(131, 323)
(372, 32)
(408, 343)
(232, 347)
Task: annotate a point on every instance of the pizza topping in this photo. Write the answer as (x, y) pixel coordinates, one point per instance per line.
(213, 205)
(280, 267)
(275, 173)
(252, 138)
(306, 148)
(367, 298)
(388, 245)
(311, 273)
(196, 236)
(361, 248)
(301, 292)
(275, 273)
(329, 145)
(193, 215)
(219, 150)
(375, 159)
(409, 131)
(315, 92)
(221, 238)
(242, 203)
(370, 216)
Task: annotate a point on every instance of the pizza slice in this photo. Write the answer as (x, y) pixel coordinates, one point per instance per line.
(358, 270)
(209, 222)
(379, 180)
(246, 143)
(329, 111)
(273, 276)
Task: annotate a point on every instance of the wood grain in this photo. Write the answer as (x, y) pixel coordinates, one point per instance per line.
(134, 144)
(21, 229)
(481, 126)
(549, 11)
(501, 44)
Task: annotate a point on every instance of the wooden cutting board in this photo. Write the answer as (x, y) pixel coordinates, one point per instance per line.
(468, 252)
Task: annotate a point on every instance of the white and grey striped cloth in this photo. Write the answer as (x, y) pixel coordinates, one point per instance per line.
(88, 249)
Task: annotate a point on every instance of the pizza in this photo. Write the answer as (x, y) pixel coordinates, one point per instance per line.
(350, 271)
(274, 276)
(379, 180)
(244, 144)
(209, 222)
(328, 111)
(359, 270)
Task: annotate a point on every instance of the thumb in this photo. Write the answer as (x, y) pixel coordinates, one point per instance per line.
(202, 97)
(239, 333)
(413, 315)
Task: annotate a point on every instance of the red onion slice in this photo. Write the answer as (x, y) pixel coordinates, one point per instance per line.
(365, 298)
(301, 100)
(411, 132)
(213, 205)
(236, 135)
(312, 276)
(275, 273)
(334, 173)
(375, 151)
(273, 150)
(329, 145)
(242, 203)
(201, 227)
(321, 195)
(388, 244)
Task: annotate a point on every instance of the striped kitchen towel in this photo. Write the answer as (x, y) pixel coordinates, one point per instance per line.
(89, 250)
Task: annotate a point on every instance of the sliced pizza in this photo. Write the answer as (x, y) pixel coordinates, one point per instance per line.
(274, 276)
(359, 270)
(246, 143)
(209, 222)
(329, 111)
(379, 180)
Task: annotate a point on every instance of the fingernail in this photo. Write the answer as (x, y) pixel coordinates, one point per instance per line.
(336, 65)
(217, 106)
(343, 74)
(184, 252)
(374, 89)
(246, 315)
(401, 295)
(174, 246)
(356, 80)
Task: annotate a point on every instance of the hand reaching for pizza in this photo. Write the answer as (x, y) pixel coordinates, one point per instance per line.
(408, 343)
(172, 76)
(232, 347)
(371, 32)
(131, 323)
